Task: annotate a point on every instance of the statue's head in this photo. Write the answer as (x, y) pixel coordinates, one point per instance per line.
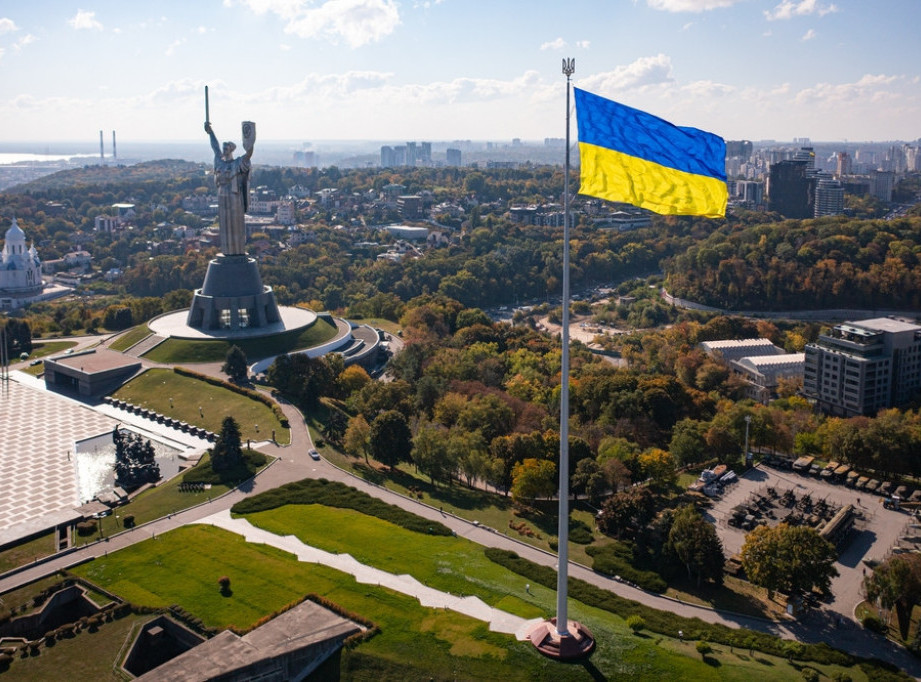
(228, 148)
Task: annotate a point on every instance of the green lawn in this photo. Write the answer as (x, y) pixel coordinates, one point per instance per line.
(181, 351)
(27, 552)
(181, 397)
(182, 567)
(130, 337)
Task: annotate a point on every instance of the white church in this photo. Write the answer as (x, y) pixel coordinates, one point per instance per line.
(20, 271)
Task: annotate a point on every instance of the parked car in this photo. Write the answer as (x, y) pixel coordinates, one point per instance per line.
(314, 454)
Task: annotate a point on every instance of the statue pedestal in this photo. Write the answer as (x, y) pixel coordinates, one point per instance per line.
(233, 297)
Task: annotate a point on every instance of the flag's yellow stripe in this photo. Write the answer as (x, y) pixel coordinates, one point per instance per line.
(615, 176)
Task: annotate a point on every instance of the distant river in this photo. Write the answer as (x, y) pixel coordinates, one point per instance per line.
(10, 158)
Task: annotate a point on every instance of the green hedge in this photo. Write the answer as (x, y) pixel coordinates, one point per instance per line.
(615, 559)
(249, 393)
(667, 623)
(335, 494)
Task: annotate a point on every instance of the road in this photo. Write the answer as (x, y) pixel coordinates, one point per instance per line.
(293, 464)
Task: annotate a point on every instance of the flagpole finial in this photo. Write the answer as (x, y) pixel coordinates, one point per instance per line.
(569, 66)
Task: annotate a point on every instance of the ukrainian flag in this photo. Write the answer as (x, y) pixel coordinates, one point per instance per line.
(633, 157)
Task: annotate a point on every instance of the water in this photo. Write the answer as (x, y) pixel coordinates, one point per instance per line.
(96, 464)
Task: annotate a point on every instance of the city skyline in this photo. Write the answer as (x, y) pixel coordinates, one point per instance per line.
(444, 70)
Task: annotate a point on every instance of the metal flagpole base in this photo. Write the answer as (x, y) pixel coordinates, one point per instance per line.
(578, 643)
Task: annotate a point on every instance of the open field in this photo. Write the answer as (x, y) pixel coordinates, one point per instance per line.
(181, 397)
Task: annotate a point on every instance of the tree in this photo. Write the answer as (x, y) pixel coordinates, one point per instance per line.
(688, 444)
(430, 452)
(533, 478)
(590, 479)
(227, 452)
(624, 513)
(236, 365)
(896, 582)
(786, 558)
(335, 426)
(390, 438)
(695, 542)
(18, 337)
(357, 437)
(135, 460)
(658, 466)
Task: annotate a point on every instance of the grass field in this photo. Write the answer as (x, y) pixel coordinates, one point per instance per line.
(184, 351)
(183, 566)
(181, 397)
(130, 337)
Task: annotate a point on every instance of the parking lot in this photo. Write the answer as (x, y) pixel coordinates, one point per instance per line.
(877, 531)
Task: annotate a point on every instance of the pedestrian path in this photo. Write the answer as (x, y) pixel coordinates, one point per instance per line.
(499, 621)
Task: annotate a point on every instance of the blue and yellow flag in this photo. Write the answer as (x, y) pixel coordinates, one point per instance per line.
(630, 156)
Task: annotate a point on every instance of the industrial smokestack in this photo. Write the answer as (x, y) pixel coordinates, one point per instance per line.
(102, 152)
(114, 153)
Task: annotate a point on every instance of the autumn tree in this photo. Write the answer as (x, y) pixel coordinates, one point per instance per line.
(896, 583)
(533, 478)
(790, 559)
(356, 441)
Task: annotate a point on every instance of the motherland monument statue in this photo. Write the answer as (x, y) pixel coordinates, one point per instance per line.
(232, 297)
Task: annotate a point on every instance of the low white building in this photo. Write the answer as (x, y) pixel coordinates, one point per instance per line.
(763, 372)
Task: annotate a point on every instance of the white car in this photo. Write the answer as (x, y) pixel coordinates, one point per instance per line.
(314, 454)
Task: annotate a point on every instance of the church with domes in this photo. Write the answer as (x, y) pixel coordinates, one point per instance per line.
(20, 271)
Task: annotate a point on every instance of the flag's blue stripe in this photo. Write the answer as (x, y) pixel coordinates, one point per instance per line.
(605, 123)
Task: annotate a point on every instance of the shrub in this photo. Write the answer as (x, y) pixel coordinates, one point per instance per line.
(810, 675)
(128, 521)
(873, 623)
(636, 623)
(85, 528)
(615, 558)
(579, 532)
(335, 494)
(703, 648)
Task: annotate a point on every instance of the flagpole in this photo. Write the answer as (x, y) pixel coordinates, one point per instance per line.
(562, 618)
(561, 638)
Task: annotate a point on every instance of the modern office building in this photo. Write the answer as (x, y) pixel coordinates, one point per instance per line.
(829, 196)
(859, 368)
(791, 188)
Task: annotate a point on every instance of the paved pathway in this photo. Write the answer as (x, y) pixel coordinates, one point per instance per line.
(499, 621)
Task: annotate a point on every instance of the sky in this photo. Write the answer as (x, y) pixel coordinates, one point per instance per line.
(443, 70)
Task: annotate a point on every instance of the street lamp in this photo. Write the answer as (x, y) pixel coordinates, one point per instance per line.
(748, 421)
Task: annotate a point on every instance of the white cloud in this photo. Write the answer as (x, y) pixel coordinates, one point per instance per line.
(85, 20)
(7, 25)
(27, 39)
(357, 22)
(583, 44)
(808, 35)
(788, 9)
(690, 5)
(171, 48)
(687, 26)
(557, 44)
(867, 87)
(643, 72)
(707, 89)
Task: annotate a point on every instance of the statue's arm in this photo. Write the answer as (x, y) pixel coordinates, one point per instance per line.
(214, 143)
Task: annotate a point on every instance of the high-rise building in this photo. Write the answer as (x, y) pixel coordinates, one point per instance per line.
(829, 196)
(881, 184)
(454, 157)
(388, 160)
(859, 368)
(843, 164)
(791, 189)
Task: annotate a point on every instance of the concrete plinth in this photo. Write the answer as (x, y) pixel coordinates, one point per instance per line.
(578, 643)
(233, 297)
